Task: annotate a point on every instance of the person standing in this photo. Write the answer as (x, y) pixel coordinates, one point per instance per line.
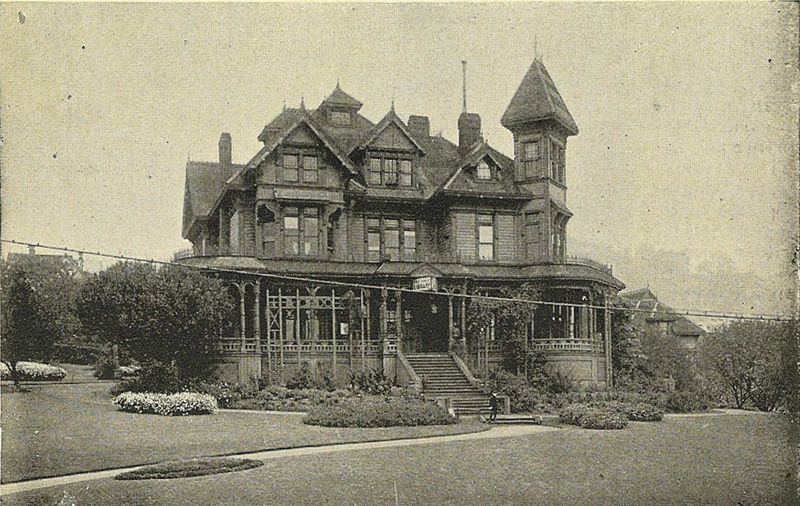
(494, 403)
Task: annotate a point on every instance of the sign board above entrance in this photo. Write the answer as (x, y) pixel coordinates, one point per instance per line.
(427, 283)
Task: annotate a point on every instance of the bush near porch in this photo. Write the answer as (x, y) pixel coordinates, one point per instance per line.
(379, 411)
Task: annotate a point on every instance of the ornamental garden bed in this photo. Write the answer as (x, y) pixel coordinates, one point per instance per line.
(179, 404)
(189, 468)
(379, 411)
(34, 371)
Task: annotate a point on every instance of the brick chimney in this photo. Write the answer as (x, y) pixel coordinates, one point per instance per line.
(469, 131)
(419, 126)
(225, 149)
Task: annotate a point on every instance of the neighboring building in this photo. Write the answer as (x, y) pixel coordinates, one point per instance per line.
(72, 265)
(658, 315)
(332, 195)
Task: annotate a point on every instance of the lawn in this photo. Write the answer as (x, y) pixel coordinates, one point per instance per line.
(744, 459)
(61, 429)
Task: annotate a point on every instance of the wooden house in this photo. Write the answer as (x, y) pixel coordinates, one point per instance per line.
(332, 195)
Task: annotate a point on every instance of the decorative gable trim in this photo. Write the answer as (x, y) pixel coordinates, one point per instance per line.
(390, 119)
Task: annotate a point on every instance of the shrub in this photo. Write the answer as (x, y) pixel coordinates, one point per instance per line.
(180, 404)
(592, 417)
(105, 367)
(153, 377)
(226, 394)
(370, 382)
(642, 413)
(686, 401)
(603, 419)
(34, 371)
(379, 411)
(284, 399)
(129, 371)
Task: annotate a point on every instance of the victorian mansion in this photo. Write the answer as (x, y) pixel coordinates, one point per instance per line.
(407, 222)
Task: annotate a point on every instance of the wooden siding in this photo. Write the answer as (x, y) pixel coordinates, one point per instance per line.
(465, 236)
(426, 241)
(248, 227)
(505, 250)
(392, 138)
(355, 246)
(444, 237)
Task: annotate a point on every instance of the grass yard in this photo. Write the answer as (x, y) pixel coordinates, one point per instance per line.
(744, 459)
(62, 429)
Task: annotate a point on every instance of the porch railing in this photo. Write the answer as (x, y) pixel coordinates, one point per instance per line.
(233, 345)
(590, 345)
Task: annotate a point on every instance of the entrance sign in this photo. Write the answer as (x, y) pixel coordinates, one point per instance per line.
(427, 283)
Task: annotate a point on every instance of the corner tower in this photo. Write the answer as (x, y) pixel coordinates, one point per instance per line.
(541, 123)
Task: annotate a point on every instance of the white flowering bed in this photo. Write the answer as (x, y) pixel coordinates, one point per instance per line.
(34, 371)
(180, 404)
(129, 370)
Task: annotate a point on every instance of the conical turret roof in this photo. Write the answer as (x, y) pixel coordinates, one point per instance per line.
(537, 99)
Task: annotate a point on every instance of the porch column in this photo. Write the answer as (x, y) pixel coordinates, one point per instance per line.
(297, 323)
(334, 330)
(449, 321)
(242, 318)
(607, 341)
(280, 327)
(257, 315)
(268, 314)
(364, 334)
(464, 318)
(383, 316)
(399, 307)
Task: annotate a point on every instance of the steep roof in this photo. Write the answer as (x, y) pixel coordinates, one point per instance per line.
(204, 183)
(390, 118)
(341, 99)
(461, 181)
(537, 99)
(660, 313)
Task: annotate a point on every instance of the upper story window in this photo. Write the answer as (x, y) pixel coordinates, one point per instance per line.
(530, 159)
(484, 172)
(557, 161)
(389, 171)
(299, 168)
(301, 230)
(339, 118)
(485, 237)
(391, 238)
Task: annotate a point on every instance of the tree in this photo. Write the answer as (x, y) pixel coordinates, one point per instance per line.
(752, 361)
(510, 320)
(645, 357)
(38, 302)
(170, 315)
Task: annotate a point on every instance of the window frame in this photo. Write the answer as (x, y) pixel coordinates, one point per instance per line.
(333, 114)
(381, 226)
(296, 240)
(482, 220)
(384, 169)
(486, 170)
(531, 164)
(301, 171)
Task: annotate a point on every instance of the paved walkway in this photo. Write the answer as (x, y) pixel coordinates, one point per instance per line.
(494, 432)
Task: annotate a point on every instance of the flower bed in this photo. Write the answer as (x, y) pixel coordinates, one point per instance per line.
(592, 417)
(187, 468)
(180, 404)
(34, 371)
(277, 398)
(379, 411)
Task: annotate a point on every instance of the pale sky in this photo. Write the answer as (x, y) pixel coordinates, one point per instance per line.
(687, 112)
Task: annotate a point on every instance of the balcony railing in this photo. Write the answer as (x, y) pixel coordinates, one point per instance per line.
(584, 260)
(585, 345)
(183, 253)
(234, 345)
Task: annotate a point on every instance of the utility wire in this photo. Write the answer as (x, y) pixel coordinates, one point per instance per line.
(349, 284)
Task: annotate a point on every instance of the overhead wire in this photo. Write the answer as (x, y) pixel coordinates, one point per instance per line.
(366, 286)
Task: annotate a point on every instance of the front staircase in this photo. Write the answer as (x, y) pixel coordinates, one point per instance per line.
(441, 377)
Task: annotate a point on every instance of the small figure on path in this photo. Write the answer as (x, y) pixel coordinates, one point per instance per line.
(494, 402)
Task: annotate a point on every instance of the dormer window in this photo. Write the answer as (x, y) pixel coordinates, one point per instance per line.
(389, 171)
(339, 118)
(484, 172)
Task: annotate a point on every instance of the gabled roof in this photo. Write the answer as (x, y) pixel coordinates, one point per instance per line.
(390, 118)
(204, 183)
(658, 312)
(341, 99)
(288, 120)
(537, 99)
(460, 182)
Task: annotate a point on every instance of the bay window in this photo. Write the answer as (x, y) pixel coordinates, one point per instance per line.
(301, 231)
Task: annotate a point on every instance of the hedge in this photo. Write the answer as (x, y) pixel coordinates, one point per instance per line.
(180, 404)
(379, 411)
(34, 371)
(592, 418)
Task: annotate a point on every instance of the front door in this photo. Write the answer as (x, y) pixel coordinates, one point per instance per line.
(425, 323)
